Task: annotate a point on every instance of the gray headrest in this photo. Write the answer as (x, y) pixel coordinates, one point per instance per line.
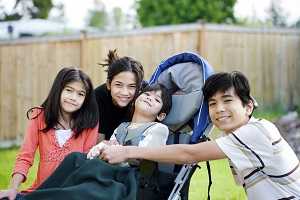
(185, 81)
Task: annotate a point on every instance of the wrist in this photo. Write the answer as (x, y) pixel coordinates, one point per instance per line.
(129, 152)
(15, 189)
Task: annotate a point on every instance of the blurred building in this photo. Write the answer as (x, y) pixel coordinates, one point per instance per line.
(32, 27)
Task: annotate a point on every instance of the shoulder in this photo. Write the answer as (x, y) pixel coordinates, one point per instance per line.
(101, 90)
(262, 127)
(159, 127)
(254, 133)
(35, 113)
(102, 95)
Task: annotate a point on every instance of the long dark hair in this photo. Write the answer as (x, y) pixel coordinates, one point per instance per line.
(116, 65)
(86, 117)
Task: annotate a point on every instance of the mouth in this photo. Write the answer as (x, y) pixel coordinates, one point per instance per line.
(72, 104)
(124, 99)
(222, 118)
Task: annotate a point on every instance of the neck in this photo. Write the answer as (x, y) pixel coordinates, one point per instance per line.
(64, 120)
(137, 118)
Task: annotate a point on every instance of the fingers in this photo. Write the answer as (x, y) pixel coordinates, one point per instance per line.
(3, 193)
(112, 154)
(95, 151)
(9, 194)
(91, 152)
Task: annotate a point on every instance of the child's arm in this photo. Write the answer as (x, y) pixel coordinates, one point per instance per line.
(26, 154)
(96, 150)
(11, 193)
(24, 159)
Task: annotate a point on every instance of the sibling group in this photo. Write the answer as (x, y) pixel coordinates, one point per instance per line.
(87, 136)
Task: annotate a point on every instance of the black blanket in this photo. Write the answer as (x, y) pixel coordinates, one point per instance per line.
(78, 178)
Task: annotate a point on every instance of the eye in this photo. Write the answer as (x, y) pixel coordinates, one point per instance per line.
(146, 93)
(227, 100)
(68, 89)
(132, 86)
(118, 84)
(157, 100)
(82, 94)
(211, 104)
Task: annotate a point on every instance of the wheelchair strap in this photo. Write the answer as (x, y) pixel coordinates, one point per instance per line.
(209, 179)
(208, 172)
(131, 137)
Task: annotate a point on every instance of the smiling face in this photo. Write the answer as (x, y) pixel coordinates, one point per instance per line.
(122, 88)
(227, 111)
(150, 103)
(72, 97)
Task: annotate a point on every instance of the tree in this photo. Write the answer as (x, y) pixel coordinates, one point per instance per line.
(118, 17)
(29, 8)
(98, 16)
(276, 15)
(42, 8)
(159, 12)
(297, 24)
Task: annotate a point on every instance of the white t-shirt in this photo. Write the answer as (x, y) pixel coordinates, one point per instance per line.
(262, 161)
(62, 136)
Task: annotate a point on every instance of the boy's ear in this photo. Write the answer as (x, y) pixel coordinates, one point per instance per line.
(107, 84)
(249, 108)
(161, 116)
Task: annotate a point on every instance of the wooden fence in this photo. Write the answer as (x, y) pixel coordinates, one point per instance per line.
(269, 57)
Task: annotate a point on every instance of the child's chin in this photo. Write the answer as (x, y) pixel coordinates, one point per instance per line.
(123, 104)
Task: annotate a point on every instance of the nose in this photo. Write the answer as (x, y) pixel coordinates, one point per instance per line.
(73, 96)
(125, 91)
(220, 107)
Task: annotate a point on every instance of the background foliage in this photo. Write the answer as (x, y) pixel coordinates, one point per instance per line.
(160, 12)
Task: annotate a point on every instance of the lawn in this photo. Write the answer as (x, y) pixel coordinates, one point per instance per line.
(223, 184)
(223, 187)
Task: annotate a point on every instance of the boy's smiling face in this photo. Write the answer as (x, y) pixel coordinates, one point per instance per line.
(149, 102)
(227, 111)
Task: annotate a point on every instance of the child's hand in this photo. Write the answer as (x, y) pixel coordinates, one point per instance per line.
(9, 194)
(115, 153)
(96, 150)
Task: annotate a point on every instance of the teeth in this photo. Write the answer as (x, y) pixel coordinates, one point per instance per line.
(123, 98)
(222, 118)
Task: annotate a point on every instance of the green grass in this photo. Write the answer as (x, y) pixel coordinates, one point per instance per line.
(223, 184)
(7, 161)
(223, 188)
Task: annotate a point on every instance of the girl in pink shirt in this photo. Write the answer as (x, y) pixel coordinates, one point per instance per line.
(67, 121)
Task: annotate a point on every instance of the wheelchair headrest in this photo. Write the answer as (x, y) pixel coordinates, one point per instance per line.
(184, 81)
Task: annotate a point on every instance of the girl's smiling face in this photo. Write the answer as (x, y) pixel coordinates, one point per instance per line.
(72, 97)
(122, 88)
(227, 111)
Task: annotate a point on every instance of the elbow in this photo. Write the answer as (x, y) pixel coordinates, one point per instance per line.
(187, 157)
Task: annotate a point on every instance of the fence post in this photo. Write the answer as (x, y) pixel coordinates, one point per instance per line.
(201, 41)
(83, 37)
